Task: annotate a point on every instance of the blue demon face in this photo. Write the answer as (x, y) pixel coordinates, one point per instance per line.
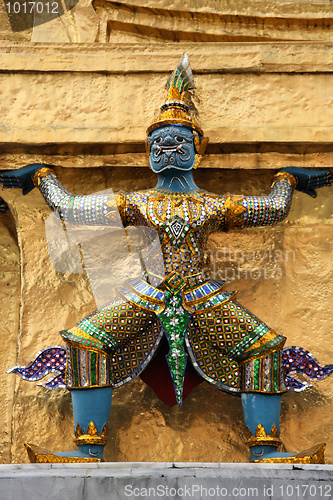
(171, 146)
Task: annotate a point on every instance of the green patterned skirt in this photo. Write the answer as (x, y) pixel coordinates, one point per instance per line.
(227, 345)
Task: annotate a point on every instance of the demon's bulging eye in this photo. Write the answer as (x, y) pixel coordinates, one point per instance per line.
(158, 140)
(180, 139)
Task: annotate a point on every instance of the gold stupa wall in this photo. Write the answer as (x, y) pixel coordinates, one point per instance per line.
(78, 93)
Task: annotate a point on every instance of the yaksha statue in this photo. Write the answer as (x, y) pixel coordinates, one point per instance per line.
(178, 315)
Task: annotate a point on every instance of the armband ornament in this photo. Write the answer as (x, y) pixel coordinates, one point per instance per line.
(42, 172)
(281, 176)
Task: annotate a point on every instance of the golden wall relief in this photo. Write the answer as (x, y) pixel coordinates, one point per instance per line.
(212, 21)
(176, 21)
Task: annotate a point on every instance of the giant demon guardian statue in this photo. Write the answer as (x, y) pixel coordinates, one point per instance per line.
(203, 330)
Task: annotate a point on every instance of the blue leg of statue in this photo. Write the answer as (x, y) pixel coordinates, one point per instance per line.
(91, 407)
(263, 410)
(262, 418)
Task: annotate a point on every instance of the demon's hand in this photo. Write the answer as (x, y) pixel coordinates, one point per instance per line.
(21, 178)
(309, 180)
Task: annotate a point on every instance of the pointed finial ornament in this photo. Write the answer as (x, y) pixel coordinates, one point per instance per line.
(178, 107)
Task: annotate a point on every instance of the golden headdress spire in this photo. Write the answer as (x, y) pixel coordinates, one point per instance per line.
(178, 107)
(178, 103)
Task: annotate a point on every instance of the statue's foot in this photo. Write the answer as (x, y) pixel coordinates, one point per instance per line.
(43, 456)
(313, 455)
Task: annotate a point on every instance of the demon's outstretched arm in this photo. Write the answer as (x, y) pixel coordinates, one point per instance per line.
(251, 211)
(94, 209)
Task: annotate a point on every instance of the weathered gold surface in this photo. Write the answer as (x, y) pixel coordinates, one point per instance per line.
(9, 321)
(213, 21)
(267, 97)
(209, 427)
(177, 21)
(69, 101)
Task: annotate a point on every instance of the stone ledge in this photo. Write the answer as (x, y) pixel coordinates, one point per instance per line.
(129, 58)
(164, 480)
(253, 97)
(234, 161)
(128, 469)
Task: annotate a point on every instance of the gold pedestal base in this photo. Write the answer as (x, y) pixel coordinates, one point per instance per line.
(313, 455)
(39, 455)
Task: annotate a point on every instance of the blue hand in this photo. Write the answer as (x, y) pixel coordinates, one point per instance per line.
(3, 206)
(21, 178)
(308, 180)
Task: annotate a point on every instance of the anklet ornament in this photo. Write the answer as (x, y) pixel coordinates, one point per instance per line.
(261, 438)
(92, 436)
